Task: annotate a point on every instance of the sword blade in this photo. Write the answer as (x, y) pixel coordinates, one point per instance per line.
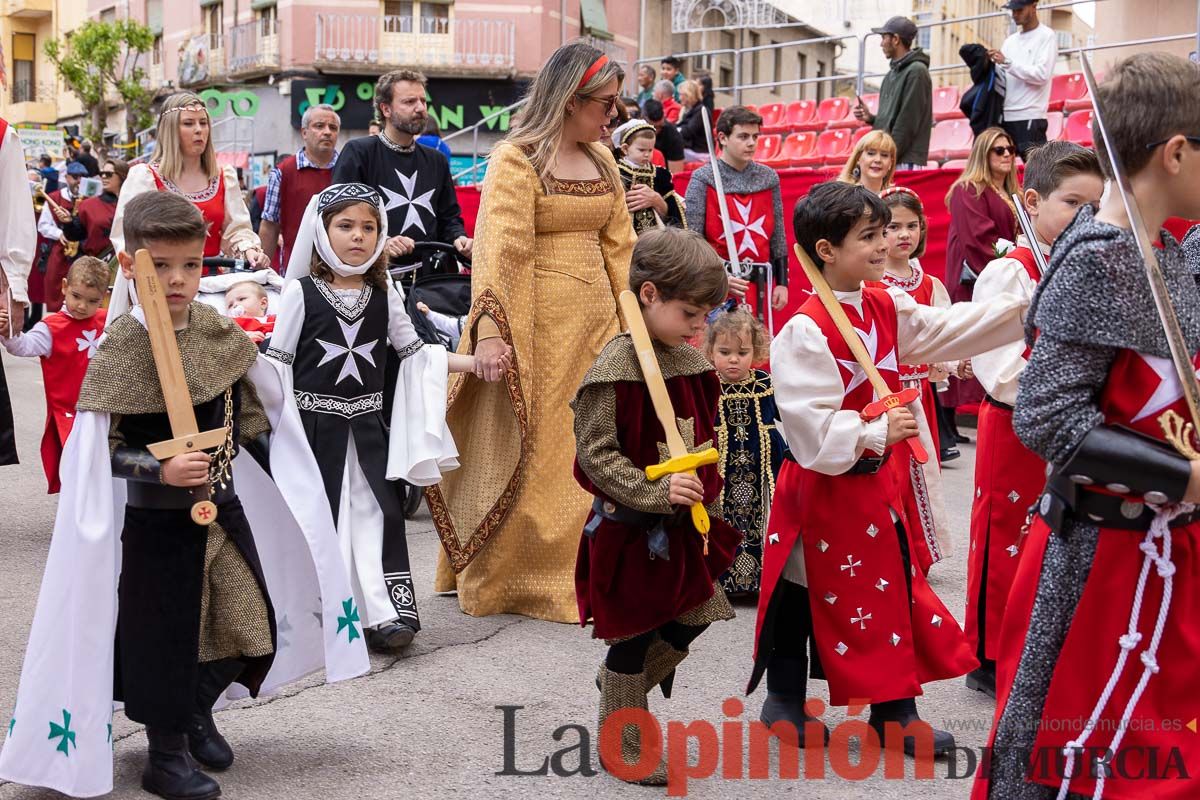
(1180, 356)
(1030, 233)
(726, 225)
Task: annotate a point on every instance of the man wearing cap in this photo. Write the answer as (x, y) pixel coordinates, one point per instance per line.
(49, 228)
(1027, 58)
(906, 96)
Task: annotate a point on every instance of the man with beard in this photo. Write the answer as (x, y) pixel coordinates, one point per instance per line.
(415, 180)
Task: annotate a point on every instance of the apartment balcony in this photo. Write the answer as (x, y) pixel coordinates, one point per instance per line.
(254, 49)
(458, 46)
(202, 60)
(29, 103)
(27, 9)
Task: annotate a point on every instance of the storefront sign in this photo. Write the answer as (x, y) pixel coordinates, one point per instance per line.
(454, 103)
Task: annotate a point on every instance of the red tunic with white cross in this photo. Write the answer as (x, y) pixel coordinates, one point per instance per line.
(874, 640)
(74, 342)
(751, 219)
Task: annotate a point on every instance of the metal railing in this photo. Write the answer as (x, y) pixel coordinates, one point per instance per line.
(474, 131)
(27, 91)
(254, 46)
(374, 40)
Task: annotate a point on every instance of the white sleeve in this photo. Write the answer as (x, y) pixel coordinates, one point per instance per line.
(809, 393)
(289, 320)
(36, 342)
(140, 180)
(47, 225)
(18, 236)
(928, 335)
(1041, 66)
(401, 333)
(999, 369)
(238, 235)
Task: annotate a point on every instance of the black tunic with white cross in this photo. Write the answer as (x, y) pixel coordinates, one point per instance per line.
(416, 187)
(338, 374)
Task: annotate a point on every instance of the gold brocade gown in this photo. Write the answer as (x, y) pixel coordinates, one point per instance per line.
(547, 270)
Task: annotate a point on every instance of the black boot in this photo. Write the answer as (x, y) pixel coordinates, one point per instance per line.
(787, 689)
(170, 771)
(205, 742)
(984, 678)
(904, 713)
(390, 637)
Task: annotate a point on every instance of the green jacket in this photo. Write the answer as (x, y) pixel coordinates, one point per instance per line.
(906, 107)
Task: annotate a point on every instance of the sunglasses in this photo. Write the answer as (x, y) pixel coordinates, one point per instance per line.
(107, 173)
(1004, 150)
(1195, 140)
(610, 102)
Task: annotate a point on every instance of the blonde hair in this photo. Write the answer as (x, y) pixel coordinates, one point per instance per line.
(876, 140)
(259, 291)
(538, 129)
(737, 323)
(168, 153)
(692, 88)
(978, 175)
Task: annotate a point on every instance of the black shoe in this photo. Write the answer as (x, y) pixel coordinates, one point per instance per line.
(390, 637)
(205, 742)
(171, 773)
(983, 680)
(788, 708)
(960, 439)
(904, 713)
(950, 453)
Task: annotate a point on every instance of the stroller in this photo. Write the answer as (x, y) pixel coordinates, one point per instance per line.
(436, 278)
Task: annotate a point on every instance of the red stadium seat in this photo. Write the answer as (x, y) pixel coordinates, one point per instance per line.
(800, 113)
(859, 134)
(951, 138)
(768, 147)
(833, 110)
(832, 148)
(774, 118)
(1078, 128)
(957, 163)
(716, 116)
(1067, 87)
(871, 101)
(796, 147)
(945, 103)
(750, 107)
(1054, 125)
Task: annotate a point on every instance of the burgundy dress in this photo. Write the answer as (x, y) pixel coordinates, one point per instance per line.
(977, 222)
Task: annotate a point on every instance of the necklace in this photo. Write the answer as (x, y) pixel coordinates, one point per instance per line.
(399, 148)
(909, 284)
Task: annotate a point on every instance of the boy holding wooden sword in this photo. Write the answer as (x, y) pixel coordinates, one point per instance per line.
(836, 566)
(651, 554)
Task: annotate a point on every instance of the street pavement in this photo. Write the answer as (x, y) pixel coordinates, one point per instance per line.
(427, 724)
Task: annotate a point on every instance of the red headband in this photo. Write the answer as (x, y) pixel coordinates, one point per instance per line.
(902, 190)
(596, 66)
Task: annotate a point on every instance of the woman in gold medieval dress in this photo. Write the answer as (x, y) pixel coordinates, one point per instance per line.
(552, 249)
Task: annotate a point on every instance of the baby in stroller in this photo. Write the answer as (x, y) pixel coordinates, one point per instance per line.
(246, 297)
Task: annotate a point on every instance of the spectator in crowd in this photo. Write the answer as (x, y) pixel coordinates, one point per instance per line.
(664, 92)
(671, 68)
(49, 175)
(295, 179)
(906, 96)
(668, 142)
(1027, 58)
(645, 82)
(691, 123)
(85, 157)
(872, 164)
(704, 78)
(374, 127)
(432, 137)
(633, 107)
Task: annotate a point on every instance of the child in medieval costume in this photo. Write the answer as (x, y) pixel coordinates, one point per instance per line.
(1098, 645)
(837, 567)
(649, 190)
(1060, 177)
(921, 484)
(748, 437)
(65, 341)
(644, 576)
(188, 593)
(338, 315)
(755, 206)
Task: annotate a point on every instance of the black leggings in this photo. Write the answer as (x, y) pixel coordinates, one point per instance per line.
(629, 657)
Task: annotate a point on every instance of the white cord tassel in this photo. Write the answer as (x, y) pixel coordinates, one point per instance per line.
(1159, 529)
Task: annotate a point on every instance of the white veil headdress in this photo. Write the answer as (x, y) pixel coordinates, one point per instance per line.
(312, 234)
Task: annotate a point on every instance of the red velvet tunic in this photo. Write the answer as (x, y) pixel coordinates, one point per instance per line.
(1008, 480)
(874, 644)
(73, 345)
(618, 583)
(57, 262)
(96, 214)
(1134, 396)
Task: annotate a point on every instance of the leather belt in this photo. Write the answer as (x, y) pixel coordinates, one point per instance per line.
(656, 535)
(156, 496)
(869, 465)
(994, 402)
(1094, 508)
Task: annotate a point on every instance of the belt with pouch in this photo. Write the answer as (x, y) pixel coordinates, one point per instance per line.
(656, 533)
(1066, 500)
(159, 497)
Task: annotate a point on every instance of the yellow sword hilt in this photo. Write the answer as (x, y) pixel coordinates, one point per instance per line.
(688, 464)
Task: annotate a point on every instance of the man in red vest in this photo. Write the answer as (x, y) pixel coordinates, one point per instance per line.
(296, 179)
